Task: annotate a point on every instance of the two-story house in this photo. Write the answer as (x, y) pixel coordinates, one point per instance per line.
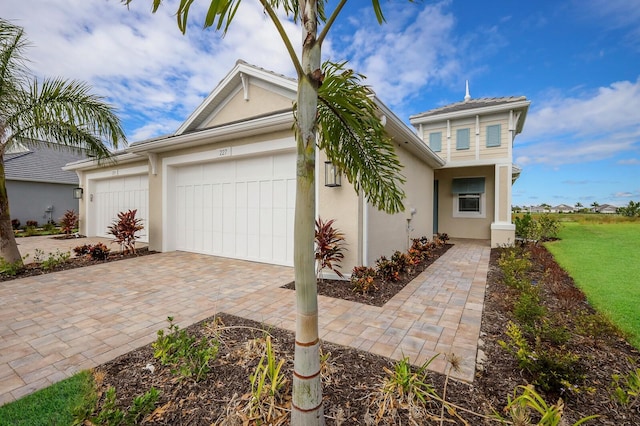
(224, 183)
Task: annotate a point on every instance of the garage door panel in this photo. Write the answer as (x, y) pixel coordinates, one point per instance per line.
(114, 195)
(244, 212)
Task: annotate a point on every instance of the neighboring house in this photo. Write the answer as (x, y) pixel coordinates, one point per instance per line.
(224, 183)
(562, 208)
(37, 187)
(606, 209)
(537, 209)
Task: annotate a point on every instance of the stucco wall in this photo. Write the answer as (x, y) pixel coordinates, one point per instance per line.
(477, 228)
(387, 233)
(30, 200)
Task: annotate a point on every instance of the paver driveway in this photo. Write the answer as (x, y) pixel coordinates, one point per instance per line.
(55, 325)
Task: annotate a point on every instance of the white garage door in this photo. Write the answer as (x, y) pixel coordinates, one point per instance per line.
(114, 195)
(242, 208)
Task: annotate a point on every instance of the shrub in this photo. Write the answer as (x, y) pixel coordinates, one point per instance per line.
(49, 227)
(442, 238)
(387, 270)
(69, 221)
(528, 310)
(515, 264)
(15, 223)
(527, 228)
(363, 279)
(187, 355)
(422, 246)
(124, 230)
(96, 252)
(548, 226)
(401, 261)
(30, 231)
(626, 388)
(553, 370)
(10, 269)
(329, 247)
(55, 259)
(33, 223)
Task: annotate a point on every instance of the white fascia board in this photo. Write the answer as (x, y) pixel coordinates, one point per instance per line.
(421, 148)
(474, 163)
(471, 112)
(256, 126)
(122, 158)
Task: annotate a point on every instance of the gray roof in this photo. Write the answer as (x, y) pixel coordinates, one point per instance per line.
(470, 104)
(42, 164)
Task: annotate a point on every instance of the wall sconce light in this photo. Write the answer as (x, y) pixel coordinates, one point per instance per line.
(77, 193)
(332, 176)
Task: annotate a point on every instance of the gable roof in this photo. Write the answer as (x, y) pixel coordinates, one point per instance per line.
(42, 163)
(238, 78)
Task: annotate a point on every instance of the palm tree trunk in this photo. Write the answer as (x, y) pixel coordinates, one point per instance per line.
(8, 247)
(307, 387)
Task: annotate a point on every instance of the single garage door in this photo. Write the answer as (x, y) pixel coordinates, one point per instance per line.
(241, 208)
(114, 195)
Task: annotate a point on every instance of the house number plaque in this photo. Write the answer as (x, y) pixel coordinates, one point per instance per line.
(224, 152)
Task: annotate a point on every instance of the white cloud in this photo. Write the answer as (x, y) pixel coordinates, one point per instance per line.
(598, 125)
(412, 49)
(140, 61)
(630, 162)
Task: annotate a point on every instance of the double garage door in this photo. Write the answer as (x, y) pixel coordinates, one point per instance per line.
(118, 194)
(240, 208)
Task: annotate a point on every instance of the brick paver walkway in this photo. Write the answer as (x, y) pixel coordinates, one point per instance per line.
(55, 325)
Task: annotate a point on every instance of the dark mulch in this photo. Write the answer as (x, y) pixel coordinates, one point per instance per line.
(341, 289)
(355, 377)
(35, 268)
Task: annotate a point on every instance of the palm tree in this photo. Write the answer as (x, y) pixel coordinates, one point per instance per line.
(53, 112)
(336, 113)
(594, 206)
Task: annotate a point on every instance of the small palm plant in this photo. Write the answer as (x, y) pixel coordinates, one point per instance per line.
(329, 247)
(69, 221)
(124, 230)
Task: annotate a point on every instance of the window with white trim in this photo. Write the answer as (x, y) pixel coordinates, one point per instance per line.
(469, 197)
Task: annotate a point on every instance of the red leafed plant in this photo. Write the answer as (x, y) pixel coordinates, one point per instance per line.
(124, 230)
(329, 247)
(69, 221)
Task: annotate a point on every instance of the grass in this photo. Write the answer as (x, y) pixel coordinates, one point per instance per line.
(604, 260)
(51, 406)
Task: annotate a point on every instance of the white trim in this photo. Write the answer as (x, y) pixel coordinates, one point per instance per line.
(501, 226)
(448, 141)
(258, 126)
(477, 137)
(476, 163)
(127, 171)
(365, 230)
(496, 193)
(482, 214)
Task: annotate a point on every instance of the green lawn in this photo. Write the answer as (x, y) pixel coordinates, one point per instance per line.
(50, 406)
(604, 260)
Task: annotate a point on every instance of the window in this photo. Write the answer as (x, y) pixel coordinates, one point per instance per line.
(435, 141)
(493, 135)
(468, 197)
(462, 139)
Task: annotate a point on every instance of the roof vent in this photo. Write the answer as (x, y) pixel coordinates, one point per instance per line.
(467, 96)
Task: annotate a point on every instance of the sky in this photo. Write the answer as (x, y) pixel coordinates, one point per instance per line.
(577, 61)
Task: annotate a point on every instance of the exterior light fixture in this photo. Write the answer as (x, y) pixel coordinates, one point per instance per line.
(332, 176)
(77, 193)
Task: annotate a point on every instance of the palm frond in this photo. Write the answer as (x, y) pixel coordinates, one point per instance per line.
(354, 138)
(67, 113)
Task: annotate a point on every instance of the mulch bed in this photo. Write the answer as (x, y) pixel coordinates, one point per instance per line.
(353, 378)
(35, 268)
(342, 289)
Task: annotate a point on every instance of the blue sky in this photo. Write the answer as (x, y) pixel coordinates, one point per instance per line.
(578, 61)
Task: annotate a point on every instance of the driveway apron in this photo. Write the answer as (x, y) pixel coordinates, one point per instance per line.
(55, 325)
